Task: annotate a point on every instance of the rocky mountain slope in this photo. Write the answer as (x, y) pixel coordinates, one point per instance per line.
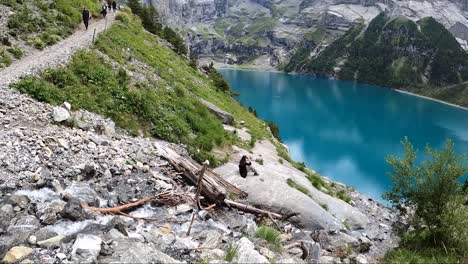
(393, 52)
(58, 159)
(265, 33)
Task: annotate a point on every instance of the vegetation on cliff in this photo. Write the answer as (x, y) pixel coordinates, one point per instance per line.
(393, 52)
(42, 23)
(437, 203)
(167, 108)
(150, 19)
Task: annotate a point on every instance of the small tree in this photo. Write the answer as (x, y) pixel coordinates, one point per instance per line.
(432, 188)
(136, 7)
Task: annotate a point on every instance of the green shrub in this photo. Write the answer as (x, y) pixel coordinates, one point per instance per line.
(341, 194)
(274, 130)
(17, 52)
(231, 253)
(433, 187)
(324, 206)
(297, 186)
(5, 59)
(38, 43)
(270, 235)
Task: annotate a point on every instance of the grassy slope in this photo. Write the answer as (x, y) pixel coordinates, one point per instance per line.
(41, 23)
(168, 109)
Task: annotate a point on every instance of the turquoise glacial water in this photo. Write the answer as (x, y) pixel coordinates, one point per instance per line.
(345, 130)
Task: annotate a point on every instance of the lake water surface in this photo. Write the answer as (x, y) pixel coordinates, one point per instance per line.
(345, 130)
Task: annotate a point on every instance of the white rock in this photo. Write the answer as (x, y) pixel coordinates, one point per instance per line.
(185, 243)
(326, 259)
(247, 253)
(384, 226)
(32, 240)
(86, 248)
(61, 256)
(213, 254)
(66, 105)
(361, 259)
(16, 254)
(63, 143)
(60, 114)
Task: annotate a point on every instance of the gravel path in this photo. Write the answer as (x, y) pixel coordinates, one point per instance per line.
(55, 55)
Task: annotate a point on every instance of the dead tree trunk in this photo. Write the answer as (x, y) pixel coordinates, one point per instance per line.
(251, 209)
(215, 188)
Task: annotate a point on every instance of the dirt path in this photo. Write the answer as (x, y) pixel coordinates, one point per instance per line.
(55, 55)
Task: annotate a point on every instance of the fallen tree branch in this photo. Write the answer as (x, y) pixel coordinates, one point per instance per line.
(166, 197)
(200, 184)
(251, 209)
(215, 188)
(305, 252)
(276, 223)
(119, 209)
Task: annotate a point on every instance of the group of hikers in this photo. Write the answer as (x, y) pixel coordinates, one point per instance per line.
(107, 6)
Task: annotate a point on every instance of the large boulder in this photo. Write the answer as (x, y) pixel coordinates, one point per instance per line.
(246, 252)
(225, 117)
(16, 254)
(86, 248)
(23, 228)
(83, 192)
(271, 191)
(60, 114)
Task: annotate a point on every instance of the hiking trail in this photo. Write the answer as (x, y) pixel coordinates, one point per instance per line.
(55, 55)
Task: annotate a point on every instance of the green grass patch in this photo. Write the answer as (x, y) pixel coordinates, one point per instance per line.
(17, 52)
(231, 253)
(5, 59)
(297, 186)
(417, 247)
(270, 235)
(168, 109)
(47, 22)
(324, 206)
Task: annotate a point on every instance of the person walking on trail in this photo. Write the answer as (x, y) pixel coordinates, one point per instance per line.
(109, 5)
(245, 166)
(86, 17)
(104, 11)
(114, 6)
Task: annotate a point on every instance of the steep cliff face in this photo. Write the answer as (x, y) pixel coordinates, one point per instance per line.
(239, 32)
(395, 52)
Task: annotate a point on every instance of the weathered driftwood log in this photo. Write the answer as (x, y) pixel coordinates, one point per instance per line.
(305, 251)
(215, 188)
(251, 209)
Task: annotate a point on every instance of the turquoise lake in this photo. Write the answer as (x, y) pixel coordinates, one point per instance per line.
(345, 130)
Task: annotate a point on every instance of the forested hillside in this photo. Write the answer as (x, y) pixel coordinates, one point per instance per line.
(393, 52)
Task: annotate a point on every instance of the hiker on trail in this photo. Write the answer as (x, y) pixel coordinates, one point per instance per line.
(86, 17)
(109, 5)
(114, 6)
(104, 11)
(245, 165)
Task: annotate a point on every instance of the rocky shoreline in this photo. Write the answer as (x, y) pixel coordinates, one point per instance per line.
(46, 158)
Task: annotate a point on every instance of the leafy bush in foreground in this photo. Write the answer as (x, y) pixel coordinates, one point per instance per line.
(434, 190)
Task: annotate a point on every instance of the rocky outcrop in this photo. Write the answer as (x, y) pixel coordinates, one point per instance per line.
(224, 116)
(305, 210)
(247, 253)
